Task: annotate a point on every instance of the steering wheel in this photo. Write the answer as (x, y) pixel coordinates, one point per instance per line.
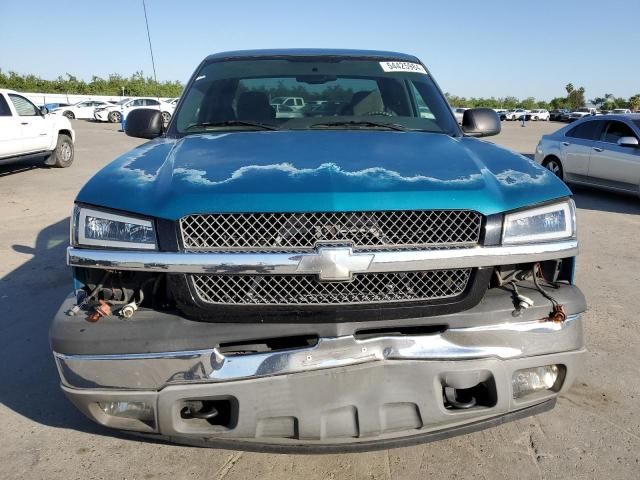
(378, 113)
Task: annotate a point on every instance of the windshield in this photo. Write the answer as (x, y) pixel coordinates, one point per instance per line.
(299, 93)
(123, 101)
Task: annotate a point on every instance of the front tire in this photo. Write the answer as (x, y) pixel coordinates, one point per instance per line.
(63, 154)
(115, 117)
(554, 166)
(70, 115)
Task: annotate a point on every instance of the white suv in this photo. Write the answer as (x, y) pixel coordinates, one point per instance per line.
(27, 131)
(538, 114)
(516, 114)
(294, 103)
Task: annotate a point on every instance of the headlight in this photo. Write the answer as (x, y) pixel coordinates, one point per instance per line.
(105, 229)
(541, 224)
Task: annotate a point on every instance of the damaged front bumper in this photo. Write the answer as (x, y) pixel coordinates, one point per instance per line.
(360, 386)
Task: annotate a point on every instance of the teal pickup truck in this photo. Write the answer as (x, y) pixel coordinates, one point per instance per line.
(366, 274)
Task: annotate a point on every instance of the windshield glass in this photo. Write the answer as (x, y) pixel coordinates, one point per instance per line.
(298, 93)
(122, 102)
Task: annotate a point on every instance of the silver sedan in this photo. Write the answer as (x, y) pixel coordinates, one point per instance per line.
(599, 151)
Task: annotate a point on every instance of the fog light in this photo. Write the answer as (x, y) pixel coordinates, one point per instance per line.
(530, 380)
(135, 410)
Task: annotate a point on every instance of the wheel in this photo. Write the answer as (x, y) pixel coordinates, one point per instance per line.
(535, 119)
(69, 114)
(166, 116)
(63, 154)
(115, 117)
(554, 166)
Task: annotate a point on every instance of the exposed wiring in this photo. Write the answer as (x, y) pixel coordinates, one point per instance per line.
(543, 292)
(91, 295)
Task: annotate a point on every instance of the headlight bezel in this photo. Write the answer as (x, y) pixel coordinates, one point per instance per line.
(78, 228)
(569, 232)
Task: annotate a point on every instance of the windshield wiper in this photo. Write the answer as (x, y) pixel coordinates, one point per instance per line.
(359, 123)
(232, 123)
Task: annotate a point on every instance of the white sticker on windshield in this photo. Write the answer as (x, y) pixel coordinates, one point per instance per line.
(402, 67)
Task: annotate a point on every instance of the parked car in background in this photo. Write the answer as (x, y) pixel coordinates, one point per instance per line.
(458, 113)
(557, 114)
(582, 112)
(565, 117)
(620, 111)
(80, 110)
(28, 132)
(322, 284)
(502, 113)
(173, 101)
(515, 114)
(600, 151)
(115, 113)
(293, 103)
(52, 106)
(285, 111)
(538, 114)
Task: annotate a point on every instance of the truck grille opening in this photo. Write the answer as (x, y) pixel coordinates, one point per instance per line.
(301, 232)
(413, 331)
(268, 345)
(365, 288)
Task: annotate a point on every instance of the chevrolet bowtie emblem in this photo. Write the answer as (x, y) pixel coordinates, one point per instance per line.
(334, 263)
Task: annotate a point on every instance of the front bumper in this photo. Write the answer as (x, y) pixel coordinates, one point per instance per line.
(345, 392)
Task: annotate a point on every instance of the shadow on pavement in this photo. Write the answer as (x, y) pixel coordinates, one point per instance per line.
(593, 199)
(20, 166)
(29, 297)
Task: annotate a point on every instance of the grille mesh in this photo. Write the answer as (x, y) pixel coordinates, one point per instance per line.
(307, 290)
(286, 232)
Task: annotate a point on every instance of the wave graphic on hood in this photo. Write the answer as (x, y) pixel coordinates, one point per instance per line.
(375, 174)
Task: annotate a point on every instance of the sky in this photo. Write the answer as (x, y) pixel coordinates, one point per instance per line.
(491, 48)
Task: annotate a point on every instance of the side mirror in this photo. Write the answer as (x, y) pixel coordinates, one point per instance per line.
(628, 142)
(480, 122)
(44, 110)
(143, 123)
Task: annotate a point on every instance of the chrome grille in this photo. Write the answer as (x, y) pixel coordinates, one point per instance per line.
(365, 288)
(287, 232)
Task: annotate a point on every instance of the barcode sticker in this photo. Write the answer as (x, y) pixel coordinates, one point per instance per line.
(403, 67)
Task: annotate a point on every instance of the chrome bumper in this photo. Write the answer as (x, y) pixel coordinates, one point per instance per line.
(288, 264)
(344, 393)
(154, 371)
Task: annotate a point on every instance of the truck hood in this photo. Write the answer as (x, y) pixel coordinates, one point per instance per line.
(297, 171)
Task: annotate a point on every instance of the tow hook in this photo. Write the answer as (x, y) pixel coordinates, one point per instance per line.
(102, 310)
(452, 397)
(197, 409)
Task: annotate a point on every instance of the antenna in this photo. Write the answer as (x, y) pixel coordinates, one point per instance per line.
(153, 63)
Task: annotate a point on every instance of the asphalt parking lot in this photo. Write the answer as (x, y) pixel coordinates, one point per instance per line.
(594, 431)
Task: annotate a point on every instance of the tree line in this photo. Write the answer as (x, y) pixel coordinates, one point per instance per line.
(137, 85)
(574, 99)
